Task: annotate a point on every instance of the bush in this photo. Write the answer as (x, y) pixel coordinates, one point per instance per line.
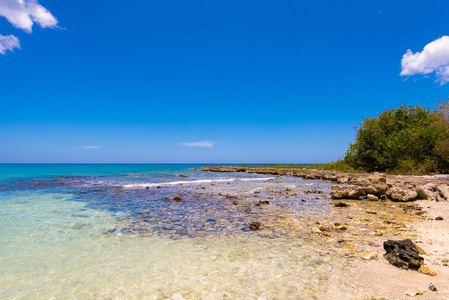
(407, 139)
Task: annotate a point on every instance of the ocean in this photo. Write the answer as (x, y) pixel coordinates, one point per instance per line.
(114, 231)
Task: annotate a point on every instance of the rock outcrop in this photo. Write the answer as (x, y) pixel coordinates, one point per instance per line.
(362, 185)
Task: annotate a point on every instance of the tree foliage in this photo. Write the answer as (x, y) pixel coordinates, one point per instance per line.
(407, 139)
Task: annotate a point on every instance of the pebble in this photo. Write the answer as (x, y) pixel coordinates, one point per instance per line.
(439, 218)
(413, 293)
(177, 296)
(432, 287)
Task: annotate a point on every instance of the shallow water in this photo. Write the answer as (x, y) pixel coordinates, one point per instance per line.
(96, 234)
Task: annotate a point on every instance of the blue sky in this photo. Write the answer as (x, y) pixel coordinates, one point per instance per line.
(211, 81)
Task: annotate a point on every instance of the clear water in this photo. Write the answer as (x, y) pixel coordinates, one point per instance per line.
(98, 232)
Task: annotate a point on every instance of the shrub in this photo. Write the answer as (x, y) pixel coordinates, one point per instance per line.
(407, 139)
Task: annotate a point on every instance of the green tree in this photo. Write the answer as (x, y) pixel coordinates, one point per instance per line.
(407, 139)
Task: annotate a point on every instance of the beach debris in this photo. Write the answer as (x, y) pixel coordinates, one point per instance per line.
(183, 175)
(413, 293)
(426, 270)
(254, 226)
(369, 255)
(439, 218)
(432, 287)
(341, 204)
(403, 254)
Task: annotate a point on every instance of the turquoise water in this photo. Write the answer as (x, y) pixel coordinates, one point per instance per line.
(114, 232)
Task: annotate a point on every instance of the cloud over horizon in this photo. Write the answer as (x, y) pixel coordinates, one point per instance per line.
(204, 144)
(433, 58)
(23, 14)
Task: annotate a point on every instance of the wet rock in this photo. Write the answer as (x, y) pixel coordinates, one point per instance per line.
(369, 255)
(262, 202)
(147, 187)
(439, 218)
(254, 226)
(432, 287)
(347, 192)
(303, 200)
(413, 293)
(341, 204)
(234, 202)
(426, 270)
(402, 194)
(231, 197)
(158, 187)
(183, 175)
(177, 198)
(403, 254)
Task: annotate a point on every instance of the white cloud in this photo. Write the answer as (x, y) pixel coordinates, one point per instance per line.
(23, 13)
(89, 147)
(205, 144)
(8, 42)
(433, 58)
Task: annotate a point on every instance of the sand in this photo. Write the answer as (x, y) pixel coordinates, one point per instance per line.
(379, 278)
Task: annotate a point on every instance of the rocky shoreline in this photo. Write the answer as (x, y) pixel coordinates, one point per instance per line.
(362, 185)
(371, 210)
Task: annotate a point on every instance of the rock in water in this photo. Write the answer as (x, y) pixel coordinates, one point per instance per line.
(254, 226)
(177, 198)
(403, 254)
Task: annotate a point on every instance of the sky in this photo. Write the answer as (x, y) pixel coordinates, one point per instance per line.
(210, 81)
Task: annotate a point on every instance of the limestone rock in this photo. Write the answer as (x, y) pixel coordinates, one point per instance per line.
(403, 254)
(402, 194)
(347, 192)
(444, 191)
(371, 197)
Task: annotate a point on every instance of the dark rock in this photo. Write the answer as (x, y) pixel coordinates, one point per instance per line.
(254, 225)
(158, 187)
(403, 254)
(177, 198)
(231, 196)
(263, 202)
(439, 218)
(147, 187)
(183, 175)
(234, 202)
(303, 200)
(61, 182)
(341, 204)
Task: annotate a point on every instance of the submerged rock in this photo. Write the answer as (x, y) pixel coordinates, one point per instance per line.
(254, 225)
(403, 254)
(177, 198)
